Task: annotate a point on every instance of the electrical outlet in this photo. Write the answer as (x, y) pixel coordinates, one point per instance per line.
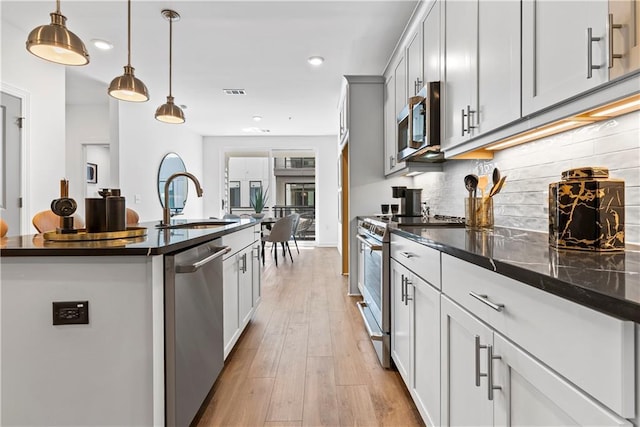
(70, 312)
(137, 198)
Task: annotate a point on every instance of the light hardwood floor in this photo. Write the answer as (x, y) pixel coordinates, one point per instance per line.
(305, 358)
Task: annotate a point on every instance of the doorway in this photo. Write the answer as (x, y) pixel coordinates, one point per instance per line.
(11, 121)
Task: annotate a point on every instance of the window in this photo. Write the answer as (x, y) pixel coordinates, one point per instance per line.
(234, 194)
(253, 187)
(300, 194)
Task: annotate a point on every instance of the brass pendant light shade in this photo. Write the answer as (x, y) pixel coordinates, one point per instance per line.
(55, 43)
(170, 112)
(127, 87)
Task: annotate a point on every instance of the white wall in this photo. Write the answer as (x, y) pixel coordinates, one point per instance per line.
(45, 124)
(85, 124)
(245, 169)
(531, 167)
(326, 174)
(143, 142)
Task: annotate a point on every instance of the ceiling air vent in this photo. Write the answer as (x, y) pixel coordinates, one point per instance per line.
(234, 91)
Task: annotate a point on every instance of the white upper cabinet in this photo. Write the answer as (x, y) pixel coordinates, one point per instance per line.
(624, 29)
(559, 59)
(482, 68)
(414, 64)
(498, 64)
(390, 129)
(460, 91)
(400, 85)
(431, 45)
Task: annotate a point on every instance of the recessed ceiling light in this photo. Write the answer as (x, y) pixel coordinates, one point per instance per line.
(257, 118)
(102, 44)
(315, 60)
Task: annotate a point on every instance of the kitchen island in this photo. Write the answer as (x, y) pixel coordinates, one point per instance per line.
(120, 365)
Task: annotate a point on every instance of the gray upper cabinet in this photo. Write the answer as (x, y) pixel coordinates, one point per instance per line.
(559, 60)
(400, 84)
(624, 29)
(391, 163)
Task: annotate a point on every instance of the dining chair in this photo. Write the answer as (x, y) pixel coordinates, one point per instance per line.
(48, 221)
(132, 217)
(294, 228)
(280, 233)
(3, 228)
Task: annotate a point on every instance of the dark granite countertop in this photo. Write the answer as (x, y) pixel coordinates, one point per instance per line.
(156, 242)
(607, 282)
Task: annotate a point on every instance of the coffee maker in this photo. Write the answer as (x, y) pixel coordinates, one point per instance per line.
(410, 201)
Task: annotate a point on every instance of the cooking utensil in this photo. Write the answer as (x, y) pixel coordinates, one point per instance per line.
(471, 184)
(495, 177)
(496, 188)
(482, 183)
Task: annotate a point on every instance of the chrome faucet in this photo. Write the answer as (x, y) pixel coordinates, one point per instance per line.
(166, 211)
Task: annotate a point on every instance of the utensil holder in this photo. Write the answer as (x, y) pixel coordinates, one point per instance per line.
(478, 212)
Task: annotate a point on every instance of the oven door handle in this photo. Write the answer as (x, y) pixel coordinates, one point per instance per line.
(373, 335)
(370, 245)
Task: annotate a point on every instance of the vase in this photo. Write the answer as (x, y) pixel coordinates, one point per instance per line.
(258, 215)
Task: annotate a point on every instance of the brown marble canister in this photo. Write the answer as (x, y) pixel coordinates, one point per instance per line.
(586, 211)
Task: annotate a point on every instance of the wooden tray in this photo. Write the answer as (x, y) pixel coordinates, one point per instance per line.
(82, 235)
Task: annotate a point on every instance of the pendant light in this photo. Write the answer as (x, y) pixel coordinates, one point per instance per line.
(55, 43)
(170, 112)
(127, 87)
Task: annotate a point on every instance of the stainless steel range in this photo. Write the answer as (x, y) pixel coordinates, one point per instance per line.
(374, 277)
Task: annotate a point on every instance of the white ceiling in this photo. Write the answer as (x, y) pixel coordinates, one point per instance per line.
(259, 46)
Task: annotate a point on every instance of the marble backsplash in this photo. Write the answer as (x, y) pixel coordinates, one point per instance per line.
(531, 167)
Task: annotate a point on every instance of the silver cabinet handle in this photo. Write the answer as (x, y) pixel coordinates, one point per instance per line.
(462, 122)
(402, 289)
(490, 358)
(257, 255)
(485, 299)
(469, 113)
(406, 291)
(190, 268)
(478, 373)
(612, 55)
(590, 40)
(407, 254)
(243, 266)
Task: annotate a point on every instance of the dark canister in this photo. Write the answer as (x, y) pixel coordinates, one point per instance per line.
(398, 192)
(116, 211)
(586, 211)
(95, 212)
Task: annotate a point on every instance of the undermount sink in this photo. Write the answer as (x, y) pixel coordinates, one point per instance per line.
(197, 224)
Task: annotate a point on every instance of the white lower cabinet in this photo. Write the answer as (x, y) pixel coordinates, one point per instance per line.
(415, 337)
(487, 380)
(241, 284)
(463, 389)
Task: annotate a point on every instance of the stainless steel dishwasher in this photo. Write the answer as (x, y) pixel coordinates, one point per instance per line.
(193, 328)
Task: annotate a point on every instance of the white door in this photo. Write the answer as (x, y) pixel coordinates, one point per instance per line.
(555, 50)
(414, 64)
(464, 362)
(400, 321)
(626, 38)
(534, 395)
(426, 350)
(10, 161)
(431, 44)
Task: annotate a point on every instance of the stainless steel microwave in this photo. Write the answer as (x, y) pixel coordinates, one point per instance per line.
(419, 124)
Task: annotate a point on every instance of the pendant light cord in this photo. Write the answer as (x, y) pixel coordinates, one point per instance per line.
(170, 50)
(129, 33)
(58, 7)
